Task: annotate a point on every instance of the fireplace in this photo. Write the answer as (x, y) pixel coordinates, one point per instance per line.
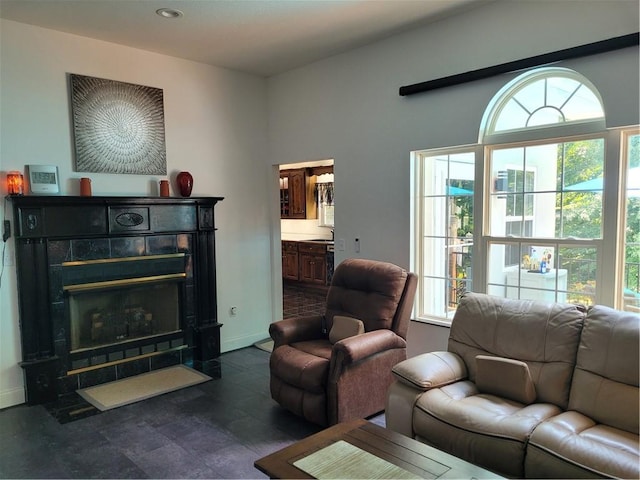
(111, 287)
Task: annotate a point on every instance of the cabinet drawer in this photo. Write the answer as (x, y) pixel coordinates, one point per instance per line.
(304, 247)
(288, 246)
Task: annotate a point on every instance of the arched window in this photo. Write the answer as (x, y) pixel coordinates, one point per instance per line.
(543, 98)
(544, 231)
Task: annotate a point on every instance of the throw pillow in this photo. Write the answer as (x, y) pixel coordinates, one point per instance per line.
(344, 327)
(505, 377)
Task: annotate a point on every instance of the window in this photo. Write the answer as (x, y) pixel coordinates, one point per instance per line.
(444, 184)
(544, 225)
(563, 203)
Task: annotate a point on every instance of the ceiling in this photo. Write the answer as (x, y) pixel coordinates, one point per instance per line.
(260, 37)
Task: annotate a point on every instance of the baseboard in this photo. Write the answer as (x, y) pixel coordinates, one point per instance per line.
(242, 342)
(12, 397)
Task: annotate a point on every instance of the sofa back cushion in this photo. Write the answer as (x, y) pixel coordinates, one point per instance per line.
(605, 382)
(543, 335)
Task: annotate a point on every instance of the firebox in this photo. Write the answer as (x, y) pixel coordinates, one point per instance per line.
(119, 308)
(110, 287)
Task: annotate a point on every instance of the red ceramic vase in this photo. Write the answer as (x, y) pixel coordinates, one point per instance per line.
(185, 183)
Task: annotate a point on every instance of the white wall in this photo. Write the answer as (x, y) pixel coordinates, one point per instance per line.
(347, 107)
(215, 122)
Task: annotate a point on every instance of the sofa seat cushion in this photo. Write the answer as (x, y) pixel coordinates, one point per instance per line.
(484, 429)
(304, 365)
(581, 442)
(461, 405)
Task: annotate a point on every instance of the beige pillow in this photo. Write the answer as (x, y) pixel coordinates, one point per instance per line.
(344, 327)
(506, 378)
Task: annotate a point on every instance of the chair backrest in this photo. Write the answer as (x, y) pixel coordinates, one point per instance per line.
(605, 381)
(378, 293)
(544, 335)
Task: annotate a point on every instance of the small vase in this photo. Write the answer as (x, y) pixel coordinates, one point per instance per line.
(164, 188)
(185, 183)
(85, 187)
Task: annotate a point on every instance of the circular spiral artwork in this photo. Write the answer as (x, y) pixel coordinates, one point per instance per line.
(118, 127)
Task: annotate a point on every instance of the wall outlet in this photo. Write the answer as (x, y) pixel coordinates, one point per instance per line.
(340, 245)
(233, 311)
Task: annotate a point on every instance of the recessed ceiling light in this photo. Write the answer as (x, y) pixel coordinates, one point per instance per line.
(169, 13)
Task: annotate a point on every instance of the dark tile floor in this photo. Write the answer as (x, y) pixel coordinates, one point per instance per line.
(298, 301)
(213, 430)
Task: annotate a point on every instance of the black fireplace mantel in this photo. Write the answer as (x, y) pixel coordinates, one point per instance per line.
(51, 229)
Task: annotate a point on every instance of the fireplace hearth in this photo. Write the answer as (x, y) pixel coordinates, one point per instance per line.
(111, 287)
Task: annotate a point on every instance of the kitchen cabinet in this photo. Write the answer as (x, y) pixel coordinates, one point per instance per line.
(309, 262)
(313, 263)
(297, 195)
(290, 260)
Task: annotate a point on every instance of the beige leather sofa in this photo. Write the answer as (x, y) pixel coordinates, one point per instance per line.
(528, 390)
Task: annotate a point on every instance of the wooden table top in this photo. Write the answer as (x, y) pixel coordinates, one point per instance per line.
(413, 456)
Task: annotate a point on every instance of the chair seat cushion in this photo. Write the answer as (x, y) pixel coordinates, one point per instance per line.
(578, 440)
(318, 348)
(304, 364)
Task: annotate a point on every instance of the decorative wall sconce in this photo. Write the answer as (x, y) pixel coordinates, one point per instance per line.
(15, 183)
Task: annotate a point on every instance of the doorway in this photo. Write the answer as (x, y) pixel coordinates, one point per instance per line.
(308, 227)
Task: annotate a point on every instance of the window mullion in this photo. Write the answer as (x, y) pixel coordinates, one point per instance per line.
(480, 205)
(611, 221)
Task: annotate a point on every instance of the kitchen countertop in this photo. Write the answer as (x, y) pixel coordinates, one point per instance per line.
(323, 241)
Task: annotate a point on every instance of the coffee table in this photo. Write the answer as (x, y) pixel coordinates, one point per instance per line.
(390, 448)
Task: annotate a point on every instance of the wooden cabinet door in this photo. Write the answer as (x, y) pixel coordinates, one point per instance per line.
(313, 264)
(319, 270)
(290, 260)
(297, 194)
(285, 198)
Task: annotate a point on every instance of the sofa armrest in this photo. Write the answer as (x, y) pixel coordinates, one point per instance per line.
(358, 347)
(296, 329)
(431, 370)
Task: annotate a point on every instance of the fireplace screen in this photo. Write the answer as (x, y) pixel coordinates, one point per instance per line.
(112, 301)
(104, 317)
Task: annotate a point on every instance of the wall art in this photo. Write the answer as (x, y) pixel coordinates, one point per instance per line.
(118, 127)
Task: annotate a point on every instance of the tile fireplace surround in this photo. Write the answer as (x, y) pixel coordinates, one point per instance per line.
(110, 287)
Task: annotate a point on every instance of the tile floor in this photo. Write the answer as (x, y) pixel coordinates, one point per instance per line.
(216, 429)
(298, 301)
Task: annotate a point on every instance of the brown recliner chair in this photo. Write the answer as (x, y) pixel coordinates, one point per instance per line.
(325, 382)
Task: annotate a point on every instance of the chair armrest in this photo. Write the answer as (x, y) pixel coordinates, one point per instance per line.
(431, 370)
(296, 329)
(354, 349)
